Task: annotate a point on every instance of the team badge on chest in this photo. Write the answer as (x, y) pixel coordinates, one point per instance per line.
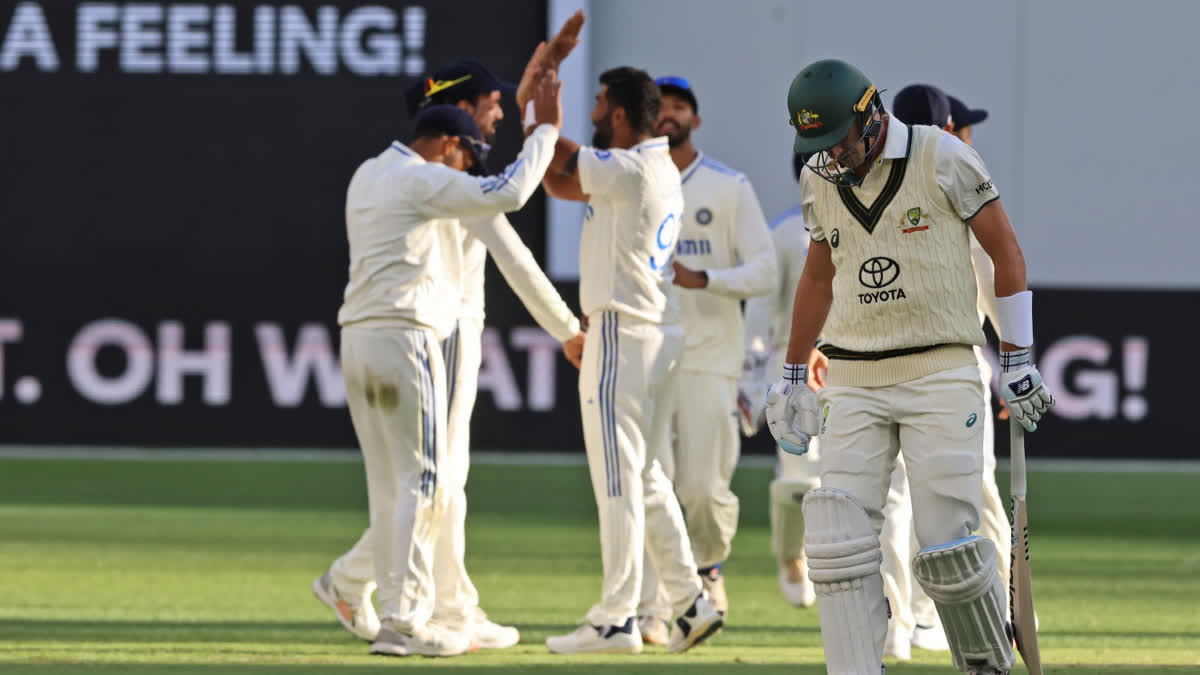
(914, 220)
(704, 216)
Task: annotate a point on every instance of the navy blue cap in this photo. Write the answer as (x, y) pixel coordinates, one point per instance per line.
(677, 86)
(922, 104)
(964, 116)
(454, 82)
(453, 121)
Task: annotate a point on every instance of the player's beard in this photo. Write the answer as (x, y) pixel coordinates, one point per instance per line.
(602, 137)
(681, 135)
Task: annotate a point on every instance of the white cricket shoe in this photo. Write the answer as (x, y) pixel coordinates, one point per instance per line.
(898, 643)
(713, 582)
(431, 640)
(357, 616)
(696, 625)
(655, 631)
(491, 635)
(932, 638)
(589, 639)
(795, 585)
(985, 670)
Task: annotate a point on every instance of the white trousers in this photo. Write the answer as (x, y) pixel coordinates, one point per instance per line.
(700, 464)
(456, 597)
(933, 423)
(706, 453)
(396, 392)
(910, 605)
(626, 385)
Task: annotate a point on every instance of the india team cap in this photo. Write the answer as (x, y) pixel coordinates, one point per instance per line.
(454, 121)
(964, 116)
(461, 79)
(677, 86)
(922, 104)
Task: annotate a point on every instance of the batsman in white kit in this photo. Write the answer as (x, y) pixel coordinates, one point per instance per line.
(888, 287)
(402, 217)
(630, 359)
(724, 255)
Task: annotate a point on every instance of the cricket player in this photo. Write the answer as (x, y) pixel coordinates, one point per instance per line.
(889, 288)
(630, 359)
(402, 218)
(724, 256)
(768, 324)
(470, 86)
(914, 618)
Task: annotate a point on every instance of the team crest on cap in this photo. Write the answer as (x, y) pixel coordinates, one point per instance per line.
(704, 216)
(914, 220)
(808, 120)
(434, 86)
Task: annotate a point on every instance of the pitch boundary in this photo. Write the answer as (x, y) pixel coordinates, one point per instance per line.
(493, 457)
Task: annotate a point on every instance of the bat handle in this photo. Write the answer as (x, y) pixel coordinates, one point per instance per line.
(1016, 444)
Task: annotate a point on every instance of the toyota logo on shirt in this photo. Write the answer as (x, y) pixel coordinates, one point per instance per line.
(878, 272)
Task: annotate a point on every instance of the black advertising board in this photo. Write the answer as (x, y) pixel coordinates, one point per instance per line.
(173, 251)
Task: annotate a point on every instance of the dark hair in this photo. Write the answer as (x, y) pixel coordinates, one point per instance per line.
(635, 91)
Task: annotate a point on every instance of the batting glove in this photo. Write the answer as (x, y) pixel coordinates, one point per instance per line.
(1022, 388)
(792, 414)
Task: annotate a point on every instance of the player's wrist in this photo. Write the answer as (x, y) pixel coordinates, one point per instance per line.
(1014, 360)
(795, 373)
(1015, 314)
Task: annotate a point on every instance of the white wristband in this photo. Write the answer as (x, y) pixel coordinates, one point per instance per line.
(1015, 313)
(530, 117)
(795, 373)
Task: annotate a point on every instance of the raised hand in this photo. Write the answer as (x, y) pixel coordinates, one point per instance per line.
(549, 55)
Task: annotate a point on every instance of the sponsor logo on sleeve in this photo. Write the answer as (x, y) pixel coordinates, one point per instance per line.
(984, 187)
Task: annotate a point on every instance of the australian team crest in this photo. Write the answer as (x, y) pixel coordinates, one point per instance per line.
(914, 220)
(809, 120)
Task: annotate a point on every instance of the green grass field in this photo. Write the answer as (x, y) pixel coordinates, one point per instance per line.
(204, 567)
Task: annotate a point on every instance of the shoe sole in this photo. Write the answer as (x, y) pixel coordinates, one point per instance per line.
(500, 645)
(331, 602)
(702, 634)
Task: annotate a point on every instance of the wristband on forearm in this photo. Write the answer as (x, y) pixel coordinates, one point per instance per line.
(1015, 313)
(795, 373)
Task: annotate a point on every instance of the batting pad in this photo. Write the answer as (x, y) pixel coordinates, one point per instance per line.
(843, 563)
(787, 518)
(961, 579)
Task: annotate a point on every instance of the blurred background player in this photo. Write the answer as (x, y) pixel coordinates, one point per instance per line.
(634, 201)
(398, 207)
(724, 256)
(915, 623)
(768, 324)
(888, 287)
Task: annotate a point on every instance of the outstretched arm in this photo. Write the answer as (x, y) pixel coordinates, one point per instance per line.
(562, 178)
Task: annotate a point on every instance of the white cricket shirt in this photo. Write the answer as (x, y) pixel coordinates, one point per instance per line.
(397, 207)
(629, 229)
(769, 317)
(723, 233)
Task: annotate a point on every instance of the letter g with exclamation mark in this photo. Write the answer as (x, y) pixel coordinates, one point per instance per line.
(414, 41)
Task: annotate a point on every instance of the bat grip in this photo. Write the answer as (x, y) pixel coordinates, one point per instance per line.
(1016, 445)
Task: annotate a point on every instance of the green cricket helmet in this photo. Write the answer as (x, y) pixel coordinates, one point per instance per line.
(823, 102)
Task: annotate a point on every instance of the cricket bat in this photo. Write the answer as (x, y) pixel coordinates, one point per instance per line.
(1020, 584)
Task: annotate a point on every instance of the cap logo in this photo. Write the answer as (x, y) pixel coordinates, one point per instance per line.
(432, 87)
(808, 120)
